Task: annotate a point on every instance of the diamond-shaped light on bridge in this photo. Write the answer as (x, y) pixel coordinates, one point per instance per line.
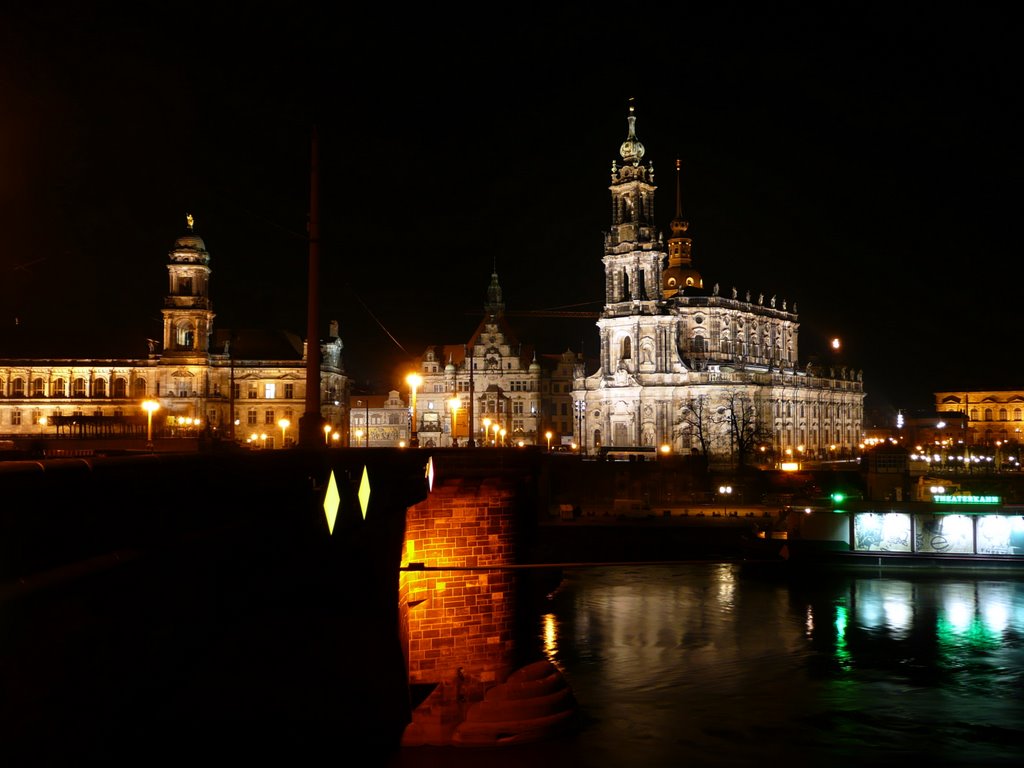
(364, 492)
(332, 500)
(429, 473)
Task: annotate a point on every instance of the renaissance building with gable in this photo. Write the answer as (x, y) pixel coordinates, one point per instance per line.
(228, 384)
(493, 389)
(692, 368)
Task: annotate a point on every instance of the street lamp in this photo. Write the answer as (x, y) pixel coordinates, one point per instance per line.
(487, 430)
(725, 491)
(497, 428)
(359, 434)
(284, 424)
(327, 435)
(548, 436)
(454, 404)
(413, 380)
(502, 432)
(149, 406)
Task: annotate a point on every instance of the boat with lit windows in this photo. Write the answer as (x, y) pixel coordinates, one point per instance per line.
(951, 531)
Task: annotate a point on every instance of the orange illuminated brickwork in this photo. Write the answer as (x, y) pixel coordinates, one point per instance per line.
(460, 619)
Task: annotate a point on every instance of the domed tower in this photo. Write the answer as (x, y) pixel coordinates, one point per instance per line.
(188, 314)
(634, 254)
(680, 273)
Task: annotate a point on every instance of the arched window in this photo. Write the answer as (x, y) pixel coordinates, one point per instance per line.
(99, 388)
(78, 387)
(18, 387)
(57, 389)
(38, 387)
(140, 389)
(1002, 414)
(988, 414)
(626, 349)
(120, 387)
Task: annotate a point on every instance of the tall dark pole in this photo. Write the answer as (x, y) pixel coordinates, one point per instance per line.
(469, 360)
(311, 423)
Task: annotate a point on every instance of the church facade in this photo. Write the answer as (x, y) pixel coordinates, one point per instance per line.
(694, 370)
(246, 386)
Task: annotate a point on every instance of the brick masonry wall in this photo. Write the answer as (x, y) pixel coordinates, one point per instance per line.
(460, 619)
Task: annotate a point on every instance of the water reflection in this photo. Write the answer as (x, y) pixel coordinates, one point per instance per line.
(695, 664)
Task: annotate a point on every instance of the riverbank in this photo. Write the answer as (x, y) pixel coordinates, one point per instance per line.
(609, 538)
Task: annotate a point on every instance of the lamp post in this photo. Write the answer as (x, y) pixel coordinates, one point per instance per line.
(284, 424)
(327, 435)
(359, 434)
(502, 433)
(149, 406)
(548, 436)
(454, 404)
(497, 428)
(487, 430)
(413, 380)
(725, 491)
(580, 406)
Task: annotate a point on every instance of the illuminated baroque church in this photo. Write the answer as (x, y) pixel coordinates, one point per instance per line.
(229, 384)
(699, 370)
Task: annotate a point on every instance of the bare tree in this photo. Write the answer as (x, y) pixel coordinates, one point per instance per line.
(742, 414)
(698, 417)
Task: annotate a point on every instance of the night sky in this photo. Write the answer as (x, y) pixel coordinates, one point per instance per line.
(862, 165)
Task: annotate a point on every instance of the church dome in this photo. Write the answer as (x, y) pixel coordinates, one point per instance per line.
(450, 368)
(675, 279)
(190, 242)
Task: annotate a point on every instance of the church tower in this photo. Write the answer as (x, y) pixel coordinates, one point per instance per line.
(680, 274)
(188, 314)
(634, 257)
(633, 247)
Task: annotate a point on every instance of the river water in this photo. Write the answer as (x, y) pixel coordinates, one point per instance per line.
(701, 664)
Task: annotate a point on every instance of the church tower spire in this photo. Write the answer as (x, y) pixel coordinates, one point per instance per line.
(680, 273)
(494, 307)
(634, 255)
(632, 190)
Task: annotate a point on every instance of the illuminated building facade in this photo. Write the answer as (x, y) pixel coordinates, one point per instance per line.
(993, 418)
(507, 394)
(226, 384)
(379, 421)
(692, 368)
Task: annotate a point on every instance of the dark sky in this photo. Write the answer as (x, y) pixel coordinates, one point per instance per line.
(863, 165)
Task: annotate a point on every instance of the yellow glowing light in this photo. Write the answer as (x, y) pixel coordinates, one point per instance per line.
(364, 492)
(332, 500)
(429, 473)
(327, 434)
(149, 406)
